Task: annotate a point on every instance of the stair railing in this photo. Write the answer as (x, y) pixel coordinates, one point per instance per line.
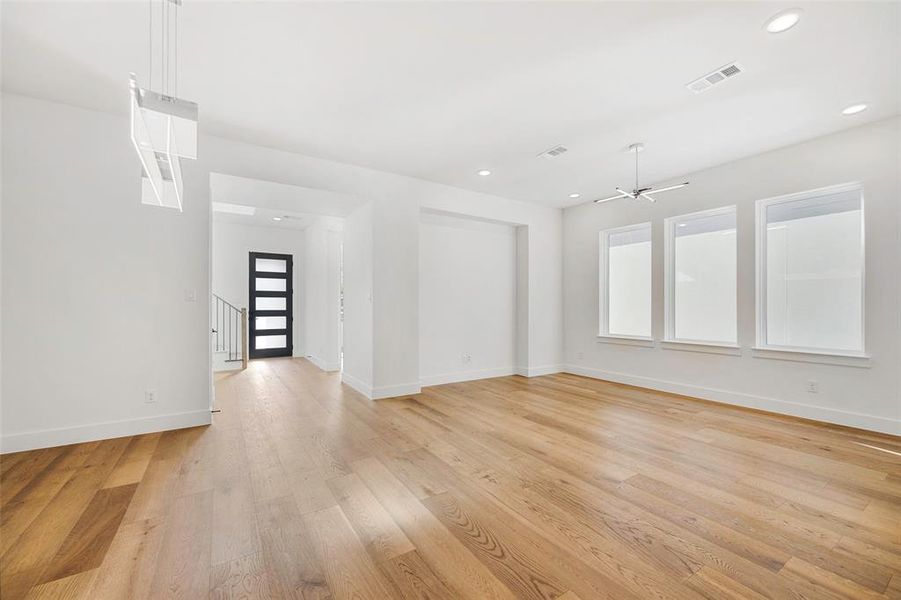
(229, 330)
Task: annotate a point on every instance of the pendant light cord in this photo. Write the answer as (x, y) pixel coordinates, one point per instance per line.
(636, 167)
(176, 50)
(166, 46)
(166, 57)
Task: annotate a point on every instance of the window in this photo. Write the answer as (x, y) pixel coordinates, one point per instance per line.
(701, 280)
(810, 271)
(625, 281)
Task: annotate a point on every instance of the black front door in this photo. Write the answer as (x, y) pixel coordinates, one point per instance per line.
(271, 314)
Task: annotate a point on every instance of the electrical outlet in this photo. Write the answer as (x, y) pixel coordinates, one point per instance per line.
(190, 295)
(149, 396)
(813, 387)
(466, 359)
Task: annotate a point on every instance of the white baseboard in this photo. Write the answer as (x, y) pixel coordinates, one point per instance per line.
(357, 384)
(48, 438)
(785, 407)
(377, 393)
(225, 367)
(392, 391)
(323, 365)
(466, 376)
(539, 371)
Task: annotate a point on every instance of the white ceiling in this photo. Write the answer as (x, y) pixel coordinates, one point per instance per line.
(441, 90)
(297, 206)
(263, 217)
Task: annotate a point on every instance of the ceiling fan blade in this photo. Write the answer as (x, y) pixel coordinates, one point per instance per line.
(646, 197)
(617, 197)
(666, 189)
(625, 193)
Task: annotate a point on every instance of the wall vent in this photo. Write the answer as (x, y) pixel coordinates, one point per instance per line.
(702, 84)
(554, 152)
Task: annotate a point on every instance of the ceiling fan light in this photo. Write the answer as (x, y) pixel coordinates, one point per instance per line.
(640, 192)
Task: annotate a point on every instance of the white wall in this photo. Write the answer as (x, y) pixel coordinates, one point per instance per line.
(522, 299)
(231, 244)
(863, 393)
(322, 309)
(467, 299)
(393, 207)
(108, 276)
(540, 261)
(357, 368)
(395, 296)
(94, 285)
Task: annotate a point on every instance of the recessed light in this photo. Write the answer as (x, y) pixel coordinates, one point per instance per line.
(276, 218)
(484, 172)
(783, 21)
(682, 224)
(575, 195)
(854, 109)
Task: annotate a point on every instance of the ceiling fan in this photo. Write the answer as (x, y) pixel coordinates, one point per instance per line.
(639, 192)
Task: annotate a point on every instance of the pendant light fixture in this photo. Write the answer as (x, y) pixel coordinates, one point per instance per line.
(163, 126)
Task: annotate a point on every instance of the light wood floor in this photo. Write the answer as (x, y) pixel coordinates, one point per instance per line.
(553, 487)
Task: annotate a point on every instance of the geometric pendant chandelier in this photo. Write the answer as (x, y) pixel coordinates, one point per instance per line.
(163, 127)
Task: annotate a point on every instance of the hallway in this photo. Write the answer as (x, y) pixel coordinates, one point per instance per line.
(551, 487)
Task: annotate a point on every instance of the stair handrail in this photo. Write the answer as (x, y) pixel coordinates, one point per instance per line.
(230, 328)
(224, 301)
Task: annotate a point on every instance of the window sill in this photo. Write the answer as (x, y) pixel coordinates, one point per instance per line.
(842, 359)
(626, 340)
(705, 347)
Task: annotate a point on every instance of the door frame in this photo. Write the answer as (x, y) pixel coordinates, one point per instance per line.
(288, 313)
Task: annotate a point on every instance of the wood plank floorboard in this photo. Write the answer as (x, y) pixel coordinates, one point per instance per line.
(554, 488)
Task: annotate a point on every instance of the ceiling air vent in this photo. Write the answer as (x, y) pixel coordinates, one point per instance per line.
(702, 84)
(553, 152)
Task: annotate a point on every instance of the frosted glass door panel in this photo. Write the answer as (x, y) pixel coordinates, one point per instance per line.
(271, 265)
(265, 284)
(271, 323)
(264, 342)
(264, 303)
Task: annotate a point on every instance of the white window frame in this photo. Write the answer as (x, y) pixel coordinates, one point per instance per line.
(603, 281)
(760, 267)
(669, 275)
